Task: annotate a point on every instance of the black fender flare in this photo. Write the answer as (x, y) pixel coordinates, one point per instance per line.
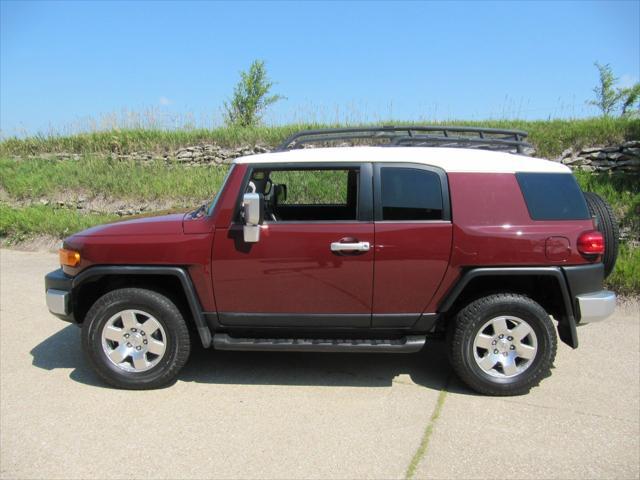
(566, 325)
(179, 272)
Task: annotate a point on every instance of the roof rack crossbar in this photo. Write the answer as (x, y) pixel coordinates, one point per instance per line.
(404, 135)
(484, 141)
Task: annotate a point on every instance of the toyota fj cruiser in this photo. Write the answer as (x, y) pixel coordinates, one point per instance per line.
(369, 248)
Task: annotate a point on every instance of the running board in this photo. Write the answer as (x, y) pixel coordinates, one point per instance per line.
(407, 344)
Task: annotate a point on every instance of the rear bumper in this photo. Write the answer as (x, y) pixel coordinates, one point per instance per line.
(596, 306)
(57, 285)
(591, 302)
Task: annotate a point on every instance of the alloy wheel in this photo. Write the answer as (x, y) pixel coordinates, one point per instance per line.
(505, 346)
(133, 340)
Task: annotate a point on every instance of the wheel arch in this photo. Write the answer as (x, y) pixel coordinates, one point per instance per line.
(546, 285)
(174, 282)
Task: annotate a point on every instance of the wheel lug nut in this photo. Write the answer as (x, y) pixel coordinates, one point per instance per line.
(510, 338)
(512, 347)
(501, 336)
(126, 335)
(128, 345)
(495, 351)
(145, 342)
(142, 333)
(134, 330)
(494, 342)
(140, 348)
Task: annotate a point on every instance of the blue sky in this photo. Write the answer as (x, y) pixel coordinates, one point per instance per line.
(66, 66)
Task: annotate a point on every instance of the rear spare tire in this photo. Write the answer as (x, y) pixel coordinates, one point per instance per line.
(607, 224)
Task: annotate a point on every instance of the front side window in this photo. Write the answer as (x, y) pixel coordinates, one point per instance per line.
(314, 194)
(410, 194)
(313, 187)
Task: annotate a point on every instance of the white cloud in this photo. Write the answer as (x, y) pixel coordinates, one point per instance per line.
(164, 101)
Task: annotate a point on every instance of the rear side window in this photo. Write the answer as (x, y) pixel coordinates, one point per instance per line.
(553, 196)
(410, 194)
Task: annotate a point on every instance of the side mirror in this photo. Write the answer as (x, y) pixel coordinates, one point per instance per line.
(253, 214)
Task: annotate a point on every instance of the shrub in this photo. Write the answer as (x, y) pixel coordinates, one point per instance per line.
(250, 97)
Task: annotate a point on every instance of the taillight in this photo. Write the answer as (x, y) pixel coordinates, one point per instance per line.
(591, 243)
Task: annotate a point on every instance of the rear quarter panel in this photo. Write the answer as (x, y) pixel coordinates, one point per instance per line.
(492, 228)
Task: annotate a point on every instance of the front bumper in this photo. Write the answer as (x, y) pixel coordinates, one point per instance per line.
(58, 301)
(596, 306)
(57, 285)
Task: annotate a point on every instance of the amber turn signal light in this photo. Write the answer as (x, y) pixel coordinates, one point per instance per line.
(69, 258)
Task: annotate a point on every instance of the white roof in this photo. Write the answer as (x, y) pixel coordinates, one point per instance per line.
(449, 159)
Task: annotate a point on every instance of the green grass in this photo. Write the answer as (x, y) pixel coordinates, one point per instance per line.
(19, 223)
(625, 278)
(148, 140)
(157, 180)
(116, 179)
(549, 137)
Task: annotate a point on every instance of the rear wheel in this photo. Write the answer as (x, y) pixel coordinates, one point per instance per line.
(136, 339)
(502, 344)
(607, 224)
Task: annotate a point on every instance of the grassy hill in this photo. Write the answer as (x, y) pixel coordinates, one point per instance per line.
(56, 197)
(549, 137)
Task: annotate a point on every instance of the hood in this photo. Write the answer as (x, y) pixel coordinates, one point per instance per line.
(161, 225)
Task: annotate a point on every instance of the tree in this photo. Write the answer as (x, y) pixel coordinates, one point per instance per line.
(609, 98)
(630, 97)
(250, 97)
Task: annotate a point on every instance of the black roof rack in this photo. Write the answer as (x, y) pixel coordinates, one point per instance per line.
(411, 135)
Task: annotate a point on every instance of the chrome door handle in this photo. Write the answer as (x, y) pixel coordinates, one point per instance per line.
(350, 247)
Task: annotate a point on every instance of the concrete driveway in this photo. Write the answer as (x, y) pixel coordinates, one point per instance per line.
(277, 415)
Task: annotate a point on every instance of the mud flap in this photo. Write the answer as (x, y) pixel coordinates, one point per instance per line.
(567, 331)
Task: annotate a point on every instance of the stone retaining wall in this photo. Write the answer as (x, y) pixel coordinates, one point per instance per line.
(625, 157)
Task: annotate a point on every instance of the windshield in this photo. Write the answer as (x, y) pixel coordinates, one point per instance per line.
(215, 199)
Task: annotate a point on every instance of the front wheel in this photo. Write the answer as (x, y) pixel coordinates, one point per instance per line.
(502, 344)
(136, 339)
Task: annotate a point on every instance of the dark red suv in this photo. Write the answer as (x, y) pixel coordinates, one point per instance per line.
(351, 249)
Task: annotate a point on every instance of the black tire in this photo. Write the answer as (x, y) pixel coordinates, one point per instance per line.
(474, 316)
(607, 224)
(178, 345)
